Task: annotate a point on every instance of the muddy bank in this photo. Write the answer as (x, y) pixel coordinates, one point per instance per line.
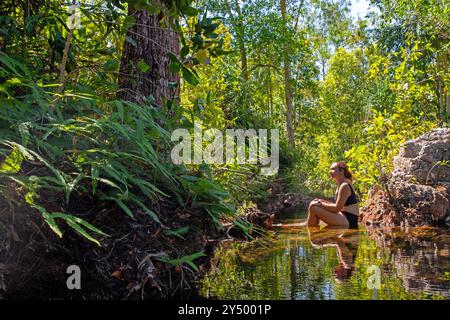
(284, 205)
(132, 262)
(277, 206)
(129, 264)
(418, 193)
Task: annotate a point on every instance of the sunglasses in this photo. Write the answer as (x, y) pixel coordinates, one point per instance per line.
(333, 170)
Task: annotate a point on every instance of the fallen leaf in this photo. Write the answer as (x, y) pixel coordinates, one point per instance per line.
(118, 274)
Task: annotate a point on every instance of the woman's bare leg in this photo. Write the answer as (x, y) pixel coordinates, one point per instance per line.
(313, 220)
(316, 213)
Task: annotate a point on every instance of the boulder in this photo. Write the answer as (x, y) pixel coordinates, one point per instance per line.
(419, 160)
(419, 187)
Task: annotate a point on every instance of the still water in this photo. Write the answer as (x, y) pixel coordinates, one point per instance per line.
(321, 263)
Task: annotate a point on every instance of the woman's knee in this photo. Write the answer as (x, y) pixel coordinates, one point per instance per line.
(312, 205)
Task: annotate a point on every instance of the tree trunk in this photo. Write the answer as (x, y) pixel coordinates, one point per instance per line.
(237, 24)
(242, 48)
(447, 93)
(287, 84)
(150, 42)
(440, 83)
(270, 96)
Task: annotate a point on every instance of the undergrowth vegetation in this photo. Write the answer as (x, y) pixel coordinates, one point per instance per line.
(114, 150)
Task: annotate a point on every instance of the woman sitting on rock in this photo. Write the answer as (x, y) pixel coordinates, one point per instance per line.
(344, 211)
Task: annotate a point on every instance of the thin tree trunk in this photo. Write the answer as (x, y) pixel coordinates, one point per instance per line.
(439, 64)
(26, 11)
(237, 24)
(287, 84)
(150, 42)
(62, 68)
(270, 96)
(446, 92)
(242, 47)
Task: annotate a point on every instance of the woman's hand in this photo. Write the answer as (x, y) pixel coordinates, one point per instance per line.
(316, 202)
(322, 200)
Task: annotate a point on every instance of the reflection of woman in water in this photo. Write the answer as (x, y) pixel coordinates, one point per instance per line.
(346, 244)
(344, 211)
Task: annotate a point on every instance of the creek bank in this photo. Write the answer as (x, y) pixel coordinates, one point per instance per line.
(284, 205)
(419, 189)
(128, 265)
(277, 206)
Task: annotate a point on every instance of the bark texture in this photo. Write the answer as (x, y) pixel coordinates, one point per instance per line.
(150, 41)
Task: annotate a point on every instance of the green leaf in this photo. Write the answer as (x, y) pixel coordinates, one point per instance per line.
(111, 65)
(184, 51)
(52, 224)
(202, 56)
(175, 64)
(143, 66)
(189, 76)
(89, 226)
(128, 22)
(130, 40)
(81, 231)
(185, 259)
(12, 163)
(125, 208)
(178, 232)
(152, 214)
(76, 223)
(189, 11)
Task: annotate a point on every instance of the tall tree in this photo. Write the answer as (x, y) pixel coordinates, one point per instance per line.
(237, 24)
(287, 82)
(144, 68)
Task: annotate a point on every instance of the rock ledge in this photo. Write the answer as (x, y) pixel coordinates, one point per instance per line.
(420, 185)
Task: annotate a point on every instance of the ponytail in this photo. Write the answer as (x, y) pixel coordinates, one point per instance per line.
(347, 173)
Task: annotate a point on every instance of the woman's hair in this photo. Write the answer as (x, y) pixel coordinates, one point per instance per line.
(347, 173)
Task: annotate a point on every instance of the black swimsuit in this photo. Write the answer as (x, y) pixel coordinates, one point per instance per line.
(351, 218)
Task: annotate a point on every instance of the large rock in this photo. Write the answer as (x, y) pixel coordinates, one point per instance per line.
(419, 159)
(420, 185)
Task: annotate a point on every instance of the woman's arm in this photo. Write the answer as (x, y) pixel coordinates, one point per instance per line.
(343, 194)
(322, 200)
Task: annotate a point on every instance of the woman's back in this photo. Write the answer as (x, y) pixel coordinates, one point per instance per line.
(352, 199)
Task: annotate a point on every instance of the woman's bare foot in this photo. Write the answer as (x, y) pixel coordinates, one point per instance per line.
(291, 225)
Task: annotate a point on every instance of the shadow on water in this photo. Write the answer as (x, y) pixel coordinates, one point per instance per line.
(327, 263)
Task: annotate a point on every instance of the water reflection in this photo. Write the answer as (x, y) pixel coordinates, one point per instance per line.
(421, 256)
(327, 263)
(346, 243)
